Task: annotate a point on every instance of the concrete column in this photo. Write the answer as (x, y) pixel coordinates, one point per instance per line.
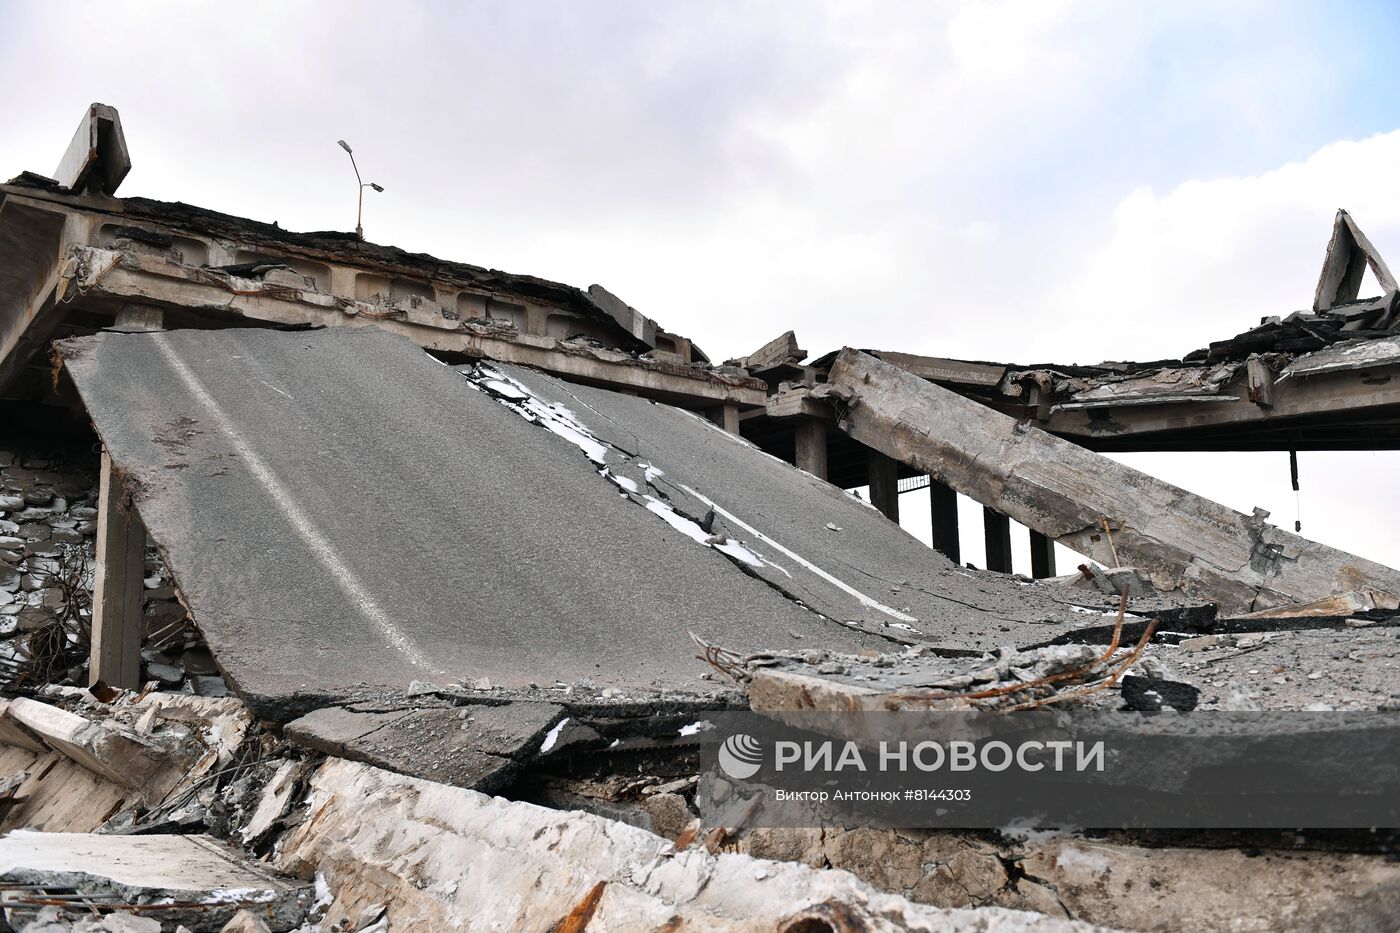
(116, 600)
(996, 529)
(1042, 556)
(943, 508)
(139, 319)
(730, 421)
(884, 484)
(811, 446)
(342, 281)
(683, 348)
(536, 320)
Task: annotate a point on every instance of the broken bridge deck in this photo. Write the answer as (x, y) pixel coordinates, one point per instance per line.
(340, 512)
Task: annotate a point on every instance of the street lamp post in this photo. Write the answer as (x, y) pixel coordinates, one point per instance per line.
(360, 207)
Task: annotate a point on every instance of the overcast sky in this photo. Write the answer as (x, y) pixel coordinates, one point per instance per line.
(1026, 180)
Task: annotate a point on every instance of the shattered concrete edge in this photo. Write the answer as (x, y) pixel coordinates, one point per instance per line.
(174, 878)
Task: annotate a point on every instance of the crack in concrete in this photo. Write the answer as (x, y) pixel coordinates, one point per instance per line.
(520, 399)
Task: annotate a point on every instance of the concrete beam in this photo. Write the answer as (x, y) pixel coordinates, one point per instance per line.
(116, 601)
(123, 278)
(628, 317)
(104, 748)
(938, 369)
(97, 159)
(1178, 540)
(1354, 395)
(781, 349)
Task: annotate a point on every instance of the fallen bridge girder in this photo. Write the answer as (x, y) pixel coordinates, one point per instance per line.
(1089, 503)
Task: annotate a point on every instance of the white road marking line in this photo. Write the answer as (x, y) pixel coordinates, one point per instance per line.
(839, 584)
(316, 543)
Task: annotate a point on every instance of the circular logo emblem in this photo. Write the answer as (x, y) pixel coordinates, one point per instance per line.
(740, 756)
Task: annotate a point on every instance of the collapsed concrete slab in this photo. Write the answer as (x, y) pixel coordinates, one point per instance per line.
(342, 497)
(1090, 503)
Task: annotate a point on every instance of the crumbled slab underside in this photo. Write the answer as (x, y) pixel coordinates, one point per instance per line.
(800, 535)
(339, 509)
(190, 875)
(444, 857)
(1182, 541)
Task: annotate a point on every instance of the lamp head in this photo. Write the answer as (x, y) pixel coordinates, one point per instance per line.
(344, 145)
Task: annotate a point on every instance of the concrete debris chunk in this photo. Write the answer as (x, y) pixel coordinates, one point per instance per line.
(482, 752)
(245, 921)
(1349, 254)
(460, 859)
(274, 801)
(110, 750)
(1112, 580)
(776, 352)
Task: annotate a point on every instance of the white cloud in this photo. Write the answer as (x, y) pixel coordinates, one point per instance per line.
(1209, 258)
(1004, 40)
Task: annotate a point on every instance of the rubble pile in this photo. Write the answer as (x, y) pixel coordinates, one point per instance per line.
(48, 528)
(234, 829)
